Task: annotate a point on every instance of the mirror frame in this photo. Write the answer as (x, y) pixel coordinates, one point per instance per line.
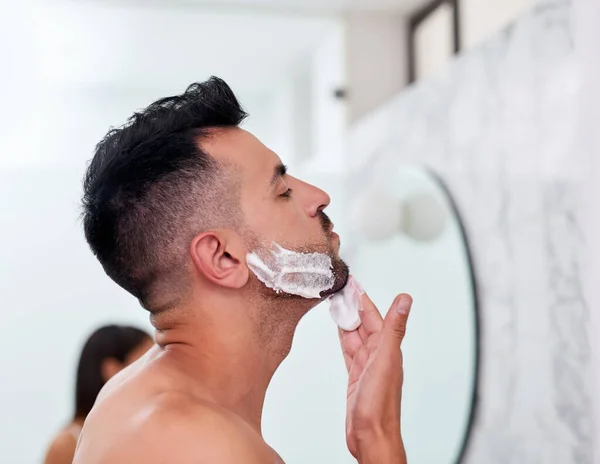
(475, 394)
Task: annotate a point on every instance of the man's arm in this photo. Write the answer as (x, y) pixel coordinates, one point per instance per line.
(383, 449)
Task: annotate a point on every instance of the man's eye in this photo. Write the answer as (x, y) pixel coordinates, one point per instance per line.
(287, 193)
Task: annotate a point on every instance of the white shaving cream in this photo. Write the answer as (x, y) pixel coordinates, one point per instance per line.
(345, 305)
(302, 274)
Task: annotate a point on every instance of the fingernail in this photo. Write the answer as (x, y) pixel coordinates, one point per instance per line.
(358, 292)
(403, 305)
(359, 304)
(358, 288)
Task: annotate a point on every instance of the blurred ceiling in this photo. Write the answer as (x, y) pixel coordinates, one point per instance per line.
(302, 6)
(158, 46)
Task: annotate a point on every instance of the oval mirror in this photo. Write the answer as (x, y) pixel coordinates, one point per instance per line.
(407, 237)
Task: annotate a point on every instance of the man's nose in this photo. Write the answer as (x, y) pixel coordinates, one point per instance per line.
(317, 200)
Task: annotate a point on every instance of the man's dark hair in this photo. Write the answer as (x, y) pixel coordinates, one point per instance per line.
(111, 341)
(150, 188)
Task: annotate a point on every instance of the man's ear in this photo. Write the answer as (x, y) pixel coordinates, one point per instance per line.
(219, 255)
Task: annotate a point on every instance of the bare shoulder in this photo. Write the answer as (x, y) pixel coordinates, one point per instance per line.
(61, 449)
(176, 411)
(176, 427)
(148, 415)
(183, 429)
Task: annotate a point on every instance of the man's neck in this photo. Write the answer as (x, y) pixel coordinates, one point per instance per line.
(230, 355)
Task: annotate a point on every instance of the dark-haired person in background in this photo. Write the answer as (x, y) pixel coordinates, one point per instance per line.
(107, 351)
(174, 201)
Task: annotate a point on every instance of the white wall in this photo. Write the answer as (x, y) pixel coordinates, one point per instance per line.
(434, 47)
(328, 114)
(54, 294)
(375, 59)
(54, 291)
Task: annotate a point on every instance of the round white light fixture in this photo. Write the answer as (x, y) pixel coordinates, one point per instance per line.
(377, 215)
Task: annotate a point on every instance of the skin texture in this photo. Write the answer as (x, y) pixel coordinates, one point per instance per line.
(62, 447)
(197, 396)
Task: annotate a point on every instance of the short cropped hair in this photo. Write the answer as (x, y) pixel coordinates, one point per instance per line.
(150, 188)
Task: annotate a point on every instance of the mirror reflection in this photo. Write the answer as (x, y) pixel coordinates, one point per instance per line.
(408, 237)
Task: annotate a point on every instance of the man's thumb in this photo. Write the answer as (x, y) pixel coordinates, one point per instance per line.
(394, 325)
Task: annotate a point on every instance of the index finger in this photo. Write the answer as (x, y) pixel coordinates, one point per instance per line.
(351, 343)
(371, 319)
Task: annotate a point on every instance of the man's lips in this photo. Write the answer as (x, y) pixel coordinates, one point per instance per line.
(335, 236)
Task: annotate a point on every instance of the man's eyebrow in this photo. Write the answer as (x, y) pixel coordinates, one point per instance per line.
(279, 171)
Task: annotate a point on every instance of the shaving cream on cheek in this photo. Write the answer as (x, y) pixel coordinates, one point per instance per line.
(302, 274)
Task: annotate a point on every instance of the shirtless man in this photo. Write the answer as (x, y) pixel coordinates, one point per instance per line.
(174, 201)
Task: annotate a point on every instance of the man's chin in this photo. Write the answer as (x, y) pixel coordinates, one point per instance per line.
(341, 273)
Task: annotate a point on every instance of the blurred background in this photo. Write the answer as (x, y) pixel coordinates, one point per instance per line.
(478, 119)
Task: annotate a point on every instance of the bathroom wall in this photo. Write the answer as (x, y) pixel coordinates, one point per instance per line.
(586, 16)
(500, 128)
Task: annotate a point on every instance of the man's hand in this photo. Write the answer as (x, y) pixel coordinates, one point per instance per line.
(374, 362)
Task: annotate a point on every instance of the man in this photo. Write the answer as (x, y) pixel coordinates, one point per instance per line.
(174, 201)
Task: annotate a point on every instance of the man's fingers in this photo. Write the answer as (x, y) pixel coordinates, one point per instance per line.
(358, 364)
(369, 316)
(351, 343)
(394, 326)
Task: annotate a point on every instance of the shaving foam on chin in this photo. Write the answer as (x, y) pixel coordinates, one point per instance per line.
(345, 305)
(302, 274)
